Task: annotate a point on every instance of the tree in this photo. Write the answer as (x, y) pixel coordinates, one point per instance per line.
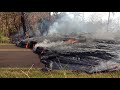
(109, 19)
(9, 22)
(55, 13)
(23, 22)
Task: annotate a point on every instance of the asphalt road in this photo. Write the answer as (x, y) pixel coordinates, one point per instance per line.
(14, 57)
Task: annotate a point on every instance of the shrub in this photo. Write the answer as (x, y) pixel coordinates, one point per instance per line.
(4, 39)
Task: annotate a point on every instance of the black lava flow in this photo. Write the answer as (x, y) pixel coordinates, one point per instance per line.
(81, 60)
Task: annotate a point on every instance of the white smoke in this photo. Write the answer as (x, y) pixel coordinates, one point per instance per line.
(67, 24)
(74, 23)
(101, 34)
(106, 65)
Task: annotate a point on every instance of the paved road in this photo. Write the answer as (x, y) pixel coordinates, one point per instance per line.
(14, 57)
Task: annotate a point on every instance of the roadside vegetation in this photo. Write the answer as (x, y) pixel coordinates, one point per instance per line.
(37, 73)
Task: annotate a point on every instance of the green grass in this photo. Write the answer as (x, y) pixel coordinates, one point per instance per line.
(37, 73)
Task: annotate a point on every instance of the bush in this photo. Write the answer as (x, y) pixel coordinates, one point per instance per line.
(4, 39)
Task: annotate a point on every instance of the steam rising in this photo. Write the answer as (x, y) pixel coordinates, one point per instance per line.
(75, 23)
(103, 52)
(69, 23)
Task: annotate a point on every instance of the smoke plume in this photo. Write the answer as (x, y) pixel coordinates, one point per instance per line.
(74, 23)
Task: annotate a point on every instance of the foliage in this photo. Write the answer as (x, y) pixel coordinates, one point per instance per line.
(4, 39)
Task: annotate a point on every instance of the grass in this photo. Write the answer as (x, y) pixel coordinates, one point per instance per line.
(37, 73)
(7, 44)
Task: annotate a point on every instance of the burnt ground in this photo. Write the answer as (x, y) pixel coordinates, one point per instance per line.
(90, 57)
(15, 57)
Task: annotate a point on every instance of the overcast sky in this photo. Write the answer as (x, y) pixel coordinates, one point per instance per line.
(102, 15)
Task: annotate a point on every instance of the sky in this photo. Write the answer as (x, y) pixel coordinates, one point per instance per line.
(102, 15)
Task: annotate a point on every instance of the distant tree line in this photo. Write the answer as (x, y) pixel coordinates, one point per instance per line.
(11, 22)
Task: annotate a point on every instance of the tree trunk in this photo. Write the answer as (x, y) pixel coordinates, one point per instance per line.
(23, 22)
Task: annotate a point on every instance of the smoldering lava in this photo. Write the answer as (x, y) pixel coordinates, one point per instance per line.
(88, 56)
